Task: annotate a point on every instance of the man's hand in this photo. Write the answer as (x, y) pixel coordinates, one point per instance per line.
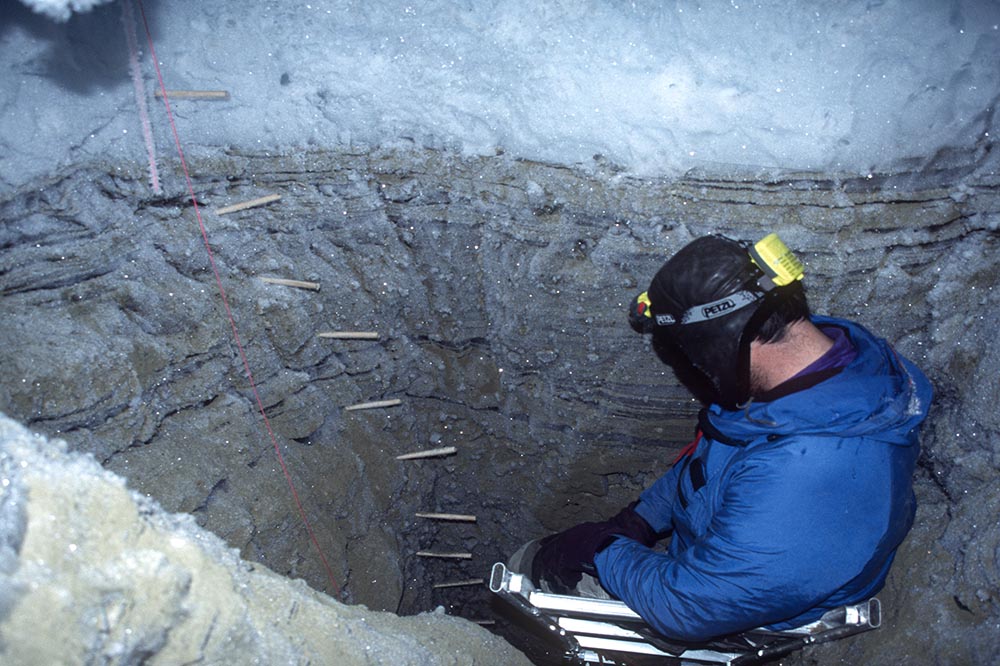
(562, 558)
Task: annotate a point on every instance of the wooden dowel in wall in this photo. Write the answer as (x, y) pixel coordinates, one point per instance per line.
(300, 284)
(252, 203)
(429, 453)
(374, 404)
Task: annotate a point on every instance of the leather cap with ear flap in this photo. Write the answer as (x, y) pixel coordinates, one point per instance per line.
(702, 300)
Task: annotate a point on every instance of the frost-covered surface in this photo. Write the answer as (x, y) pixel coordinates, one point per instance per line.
(654, 87)
(498, 282)
(91, 572)
(498, 287)
(61, 10)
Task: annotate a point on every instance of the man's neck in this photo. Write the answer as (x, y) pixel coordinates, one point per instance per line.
(776, 362)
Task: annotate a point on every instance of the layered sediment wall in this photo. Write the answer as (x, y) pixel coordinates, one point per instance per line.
(498, 289)
(94, 573)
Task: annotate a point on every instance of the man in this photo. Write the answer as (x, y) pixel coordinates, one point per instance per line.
(797, 492)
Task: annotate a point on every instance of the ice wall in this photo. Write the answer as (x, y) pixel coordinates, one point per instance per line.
(62, 10)
(92, 572)
(488, 196)
(655, 88)
(499, 288)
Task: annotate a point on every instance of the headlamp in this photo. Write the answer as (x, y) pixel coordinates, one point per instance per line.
(779, 265)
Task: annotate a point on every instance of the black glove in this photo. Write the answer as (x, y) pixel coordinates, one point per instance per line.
(562, 558)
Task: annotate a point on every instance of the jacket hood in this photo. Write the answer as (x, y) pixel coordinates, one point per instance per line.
(880, 395)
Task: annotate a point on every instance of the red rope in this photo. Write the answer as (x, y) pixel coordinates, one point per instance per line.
(140, 93)
(225, 303)
(690, 448)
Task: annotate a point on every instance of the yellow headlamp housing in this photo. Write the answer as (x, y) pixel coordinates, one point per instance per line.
(643, 304)
(780, 265)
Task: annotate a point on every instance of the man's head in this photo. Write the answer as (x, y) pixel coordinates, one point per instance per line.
(715, 296)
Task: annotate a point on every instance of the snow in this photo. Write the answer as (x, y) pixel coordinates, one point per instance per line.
(656, 88)
(61, 10)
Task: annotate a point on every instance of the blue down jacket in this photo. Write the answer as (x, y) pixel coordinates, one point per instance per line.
(786, 509)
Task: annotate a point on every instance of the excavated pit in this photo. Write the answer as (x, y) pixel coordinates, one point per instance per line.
(498, 288)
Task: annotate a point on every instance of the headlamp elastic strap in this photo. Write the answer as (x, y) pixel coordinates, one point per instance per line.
(779, 265)
(707, 311)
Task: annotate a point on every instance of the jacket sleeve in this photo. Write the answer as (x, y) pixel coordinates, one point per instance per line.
(656, 502)
(786, 535)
